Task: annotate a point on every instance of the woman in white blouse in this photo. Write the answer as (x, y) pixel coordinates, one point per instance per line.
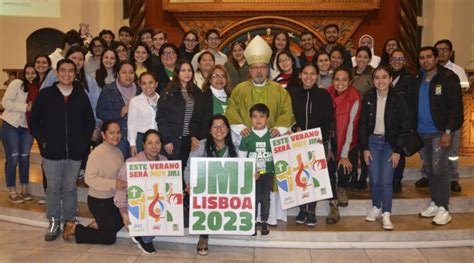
(142, 112)
(16, 137)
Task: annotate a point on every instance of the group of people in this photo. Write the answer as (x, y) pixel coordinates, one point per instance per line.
(154, 101)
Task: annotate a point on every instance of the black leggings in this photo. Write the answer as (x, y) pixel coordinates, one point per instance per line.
(108, 218)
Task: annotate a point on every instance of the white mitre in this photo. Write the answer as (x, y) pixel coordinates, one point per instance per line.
(258, 51)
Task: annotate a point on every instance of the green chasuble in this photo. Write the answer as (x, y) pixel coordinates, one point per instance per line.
(246, 94)
(218, 106)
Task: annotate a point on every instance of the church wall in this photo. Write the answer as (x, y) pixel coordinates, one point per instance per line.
(15, 30)
(451, 19)
(381, 25)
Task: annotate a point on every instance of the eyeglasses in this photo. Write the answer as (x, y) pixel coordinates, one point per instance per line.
(169, 53)
(215, 76)
(190, 40)
(97, 46)
(443, 50)
(399, 59)
(219, 127)
(284, 60)
(213, 39)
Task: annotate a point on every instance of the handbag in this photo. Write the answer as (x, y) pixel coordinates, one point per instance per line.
(411, 143)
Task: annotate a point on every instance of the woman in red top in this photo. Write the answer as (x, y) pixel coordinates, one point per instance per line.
(347, 106)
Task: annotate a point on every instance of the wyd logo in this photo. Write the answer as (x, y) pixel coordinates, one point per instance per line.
(136, 202)
(283, 172)
(316, 165)
(302, 178)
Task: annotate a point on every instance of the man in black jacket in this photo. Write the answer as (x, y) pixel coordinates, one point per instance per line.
(63, 121)
(438, 111)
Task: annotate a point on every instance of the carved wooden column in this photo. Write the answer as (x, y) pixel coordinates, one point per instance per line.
(137, 16)
(408, 26)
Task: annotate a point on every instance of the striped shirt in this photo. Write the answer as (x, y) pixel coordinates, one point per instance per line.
(188, 112)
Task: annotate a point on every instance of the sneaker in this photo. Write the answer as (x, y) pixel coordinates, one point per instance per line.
(423, 182)
(265, 231)
(26, 197)
(456, 187)
(442, 217)
(146, 248)
(311, 220)
(301, 217)
(387, 223)
(333, 216)
(373, 214)
(54, 230)
(342, 197)
(430, 211)
(69, 229)
(42, 201)
(15, 198)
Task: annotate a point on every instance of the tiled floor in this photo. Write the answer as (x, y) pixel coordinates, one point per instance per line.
(20, 243)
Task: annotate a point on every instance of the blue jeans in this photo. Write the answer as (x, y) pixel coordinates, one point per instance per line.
(61, 195)
(381, 173)
(435, 163)
(17, 143)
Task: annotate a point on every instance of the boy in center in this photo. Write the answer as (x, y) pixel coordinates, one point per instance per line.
(257, 146)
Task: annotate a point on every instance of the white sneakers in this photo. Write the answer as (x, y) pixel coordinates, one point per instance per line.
(442, 217)
(374, 213)
(386, 222)
(430, 211)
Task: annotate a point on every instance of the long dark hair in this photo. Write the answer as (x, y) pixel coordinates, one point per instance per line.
(274, 49)
(210, 147)
(81, 76)
(146, 64)
(234, 62)
(182, 47)
(101, 73)
(385, 59)
(294, 73)
(300, 82)
(37, 80)
(176, 83)
(26, 85)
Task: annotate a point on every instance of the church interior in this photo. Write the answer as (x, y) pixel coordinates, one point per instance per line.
(415, 23)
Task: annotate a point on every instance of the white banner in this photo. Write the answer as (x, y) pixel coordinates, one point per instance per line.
(222, 196)
(301, 168)
(155, 198)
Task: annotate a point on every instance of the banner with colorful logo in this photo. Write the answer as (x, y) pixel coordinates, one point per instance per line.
(301, 168)
(222, 196)
(155, 198)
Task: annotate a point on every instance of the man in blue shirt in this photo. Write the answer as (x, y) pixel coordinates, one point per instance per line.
(437, 104)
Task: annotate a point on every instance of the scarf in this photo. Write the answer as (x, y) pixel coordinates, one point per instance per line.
(127, 93)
